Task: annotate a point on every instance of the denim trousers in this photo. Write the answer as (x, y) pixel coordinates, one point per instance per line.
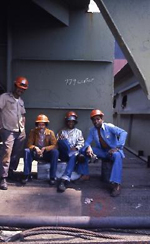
(48, 156)
(71, 157)
(116, 158)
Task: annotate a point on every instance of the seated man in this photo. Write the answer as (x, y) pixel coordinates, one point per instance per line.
(109, 140)
(70, 142)
(41, 145)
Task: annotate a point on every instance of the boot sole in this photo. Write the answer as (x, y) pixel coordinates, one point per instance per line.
(3, 188)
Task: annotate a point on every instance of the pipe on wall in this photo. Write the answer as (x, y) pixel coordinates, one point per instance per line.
(78, 222)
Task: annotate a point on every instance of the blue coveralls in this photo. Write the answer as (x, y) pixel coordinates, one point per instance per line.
(114, 137)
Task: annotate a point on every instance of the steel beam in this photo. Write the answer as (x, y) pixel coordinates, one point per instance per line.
(129, 23)
(56, 9)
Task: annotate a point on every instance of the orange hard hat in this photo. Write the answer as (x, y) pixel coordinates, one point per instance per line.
(96, 112)
(21, 82)
(41, 118)
(71, 113)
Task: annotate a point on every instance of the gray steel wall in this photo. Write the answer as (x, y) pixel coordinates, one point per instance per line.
(135, 116)
(67, 67)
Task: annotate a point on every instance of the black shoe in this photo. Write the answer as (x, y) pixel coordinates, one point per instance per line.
(61, 186)
(52, 181)
(25, 179)
(3, 184)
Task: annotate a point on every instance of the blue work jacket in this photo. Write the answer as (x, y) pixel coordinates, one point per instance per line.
(114, 136)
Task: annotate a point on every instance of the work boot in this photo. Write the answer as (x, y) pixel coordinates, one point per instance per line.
(62, 186)
(3, 184)
(116, 190)
(25, 179)
(84, 178)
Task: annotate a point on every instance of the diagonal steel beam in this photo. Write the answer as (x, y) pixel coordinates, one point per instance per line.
(56, 9)
(129, 22)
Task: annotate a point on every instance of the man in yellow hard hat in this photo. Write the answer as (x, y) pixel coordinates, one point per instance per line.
(41, 145)
(12, 129)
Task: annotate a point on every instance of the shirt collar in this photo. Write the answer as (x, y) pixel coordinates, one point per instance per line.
(103, 126)
(46, 132)
(11, 95)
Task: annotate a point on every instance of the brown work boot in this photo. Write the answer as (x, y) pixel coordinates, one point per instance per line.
(3, 184)
(84, 178)
(116, 190)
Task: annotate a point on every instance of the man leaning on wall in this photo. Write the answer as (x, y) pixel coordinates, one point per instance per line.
(12, 130)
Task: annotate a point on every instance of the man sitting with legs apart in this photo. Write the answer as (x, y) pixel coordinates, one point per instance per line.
(70, 142)
(41, 145)
(109, 140)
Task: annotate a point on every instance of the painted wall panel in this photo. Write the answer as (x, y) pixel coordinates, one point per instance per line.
(67, 67)
(67, 84)
(86, 38)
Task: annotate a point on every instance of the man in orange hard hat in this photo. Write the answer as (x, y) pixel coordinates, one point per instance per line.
(41, 145)
(12, 129)
(109, 140)
(70, 143)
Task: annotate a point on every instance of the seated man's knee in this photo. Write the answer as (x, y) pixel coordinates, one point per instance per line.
(27, 150)
(55, 152)
(117, 155)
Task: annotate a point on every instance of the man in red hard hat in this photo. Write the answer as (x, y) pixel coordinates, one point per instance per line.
(12, 129)
(109, 140)
(41, 145)
(70, 143)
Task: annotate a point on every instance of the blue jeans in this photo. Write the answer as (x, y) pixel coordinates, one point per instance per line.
(71, 157)
(48, 156)
(116, 158)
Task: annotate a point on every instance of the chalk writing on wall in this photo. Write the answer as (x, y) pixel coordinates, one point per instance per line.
(74, 82)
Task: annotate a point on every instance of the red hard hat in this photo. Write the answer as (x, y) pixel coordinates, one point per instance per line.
(71, 113)
(21, 82)
(41, 118)
(96, 112)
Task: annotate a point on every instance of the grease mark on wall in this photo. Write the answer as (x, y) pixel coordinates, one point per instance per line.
(74, 82)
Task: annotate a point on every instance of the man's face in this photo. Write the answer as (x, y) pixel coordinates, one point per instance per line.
(19, 91)
(71, 124)
(97, 121)
(41, 126)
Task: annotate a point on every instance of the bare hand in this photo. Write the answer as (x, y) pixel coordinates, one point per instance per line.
(113, 150)
(61, 137)
(42, 149)
(38, 151)
(89, 152)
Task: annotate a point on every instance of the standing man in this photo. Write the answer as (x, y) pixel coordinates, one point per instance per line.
(41, 145)
(109, 140)
(12, 129)
(70, 142)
